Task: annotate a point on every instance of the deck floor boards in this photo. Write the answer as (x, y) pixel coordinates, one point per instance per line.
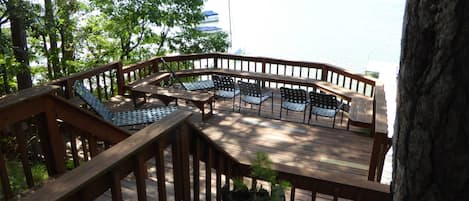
(288, 141)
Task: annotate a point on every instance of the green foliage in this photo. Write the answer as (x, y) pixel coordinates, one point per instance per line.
(101, 31)
(261, 167)
(132, 23)
(195, 41)
(69, 164)
(17, 178)
(239, 185)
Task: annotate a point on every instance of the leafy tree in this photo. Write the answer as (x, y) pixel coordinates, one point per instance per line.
(16, 15)
(67, 14)
(132, 23)
(196, 41)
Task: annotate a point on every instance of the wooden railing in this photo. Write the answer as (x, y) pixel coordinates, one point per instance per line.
(311, 70)
(105, 81)
(381, 142)
(37, 113)
(190, 150)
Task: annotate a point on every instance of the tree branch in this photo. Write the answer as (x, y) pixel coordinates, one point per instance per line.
(164, 35)
(140, 37)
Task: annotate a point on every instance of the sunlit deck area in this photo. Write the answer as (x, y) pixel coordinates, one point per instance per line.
(315, 147)
(183, 155)
(288, 141)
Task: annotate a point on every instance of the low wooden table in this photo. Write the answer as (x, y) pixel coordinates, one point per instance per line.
(167, 95)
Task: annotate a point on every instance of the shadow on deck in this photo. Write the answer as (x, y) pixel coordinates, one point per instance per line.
(316, 147)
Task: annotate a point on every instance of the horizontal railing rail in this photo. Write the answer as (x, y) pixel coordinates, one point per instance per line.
(36, 117)
(190, 151)
(105, 81)
(301, 69)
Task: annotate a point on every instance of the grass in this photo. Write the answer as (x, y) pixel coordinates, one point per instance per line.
(17, 178)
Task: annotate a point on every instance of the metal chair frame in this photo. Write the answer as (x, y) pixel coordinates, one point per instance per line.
(124, 118)
(251, 93)
(190, 86)
(323, 105)
(294, 100)
(225, 87)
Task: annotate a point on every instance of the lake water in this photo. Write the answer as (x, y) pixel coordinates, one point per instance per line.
(349, 34)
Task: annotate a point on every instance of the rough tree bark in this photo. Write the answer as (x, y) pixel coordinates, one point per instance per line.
(20, 45)
(431, 160)
(53, 58)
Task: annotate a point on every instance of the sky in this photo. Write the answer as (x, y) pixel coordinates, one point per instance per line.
(350, 34)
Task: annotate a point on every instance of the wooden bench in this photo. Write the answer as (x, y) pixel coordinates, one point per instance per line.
(361, 106)
(167, 95)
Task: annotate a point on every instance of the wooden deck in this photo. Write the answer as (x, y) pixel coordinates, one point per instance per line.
(316, 147)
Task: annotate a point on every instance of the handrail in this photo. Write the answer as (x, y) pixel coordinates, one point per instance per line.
(108, 75)
(321, 71)
(106, 170)
(108, 163)
(39, 112)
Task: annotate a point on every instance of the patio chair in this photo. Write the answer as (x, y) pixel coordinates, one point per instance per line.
(251, 93)
(344, 107)
(190, 86)
(125, 118)
(323, 105)
(294, 100)
(225, 87)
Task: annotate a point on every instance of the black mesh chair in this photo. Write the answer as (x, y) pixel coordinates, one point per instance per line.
(323, 105)
(251, 93)
(344, 107)
(293, 99)
(225, 87)
(189, 86)
(125, 118)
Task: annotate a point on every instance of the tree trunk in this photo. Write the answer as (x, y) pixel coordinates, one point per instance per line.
(431, 140)
(67, 8)
(51, 31)
(20, 48)
(3, 69)
(50, 73)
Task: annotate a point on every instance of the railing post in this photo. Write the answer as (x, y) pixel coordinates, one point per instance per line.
(263, 71)
(55, 143)
(378, 141)
(180, 151)
(325, 71)
(185, 172)
(4, 178)
(21, 142)
(120, 79)
(69, 88)
(156, 69)
(215, 62)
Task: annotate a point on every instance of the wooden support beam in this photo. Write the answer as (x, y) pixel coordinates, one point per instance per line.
(196, 169)
(116, 189)
(185, 172)
(21, 142)
(5, 181)
(160, 172)
(140, 176)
